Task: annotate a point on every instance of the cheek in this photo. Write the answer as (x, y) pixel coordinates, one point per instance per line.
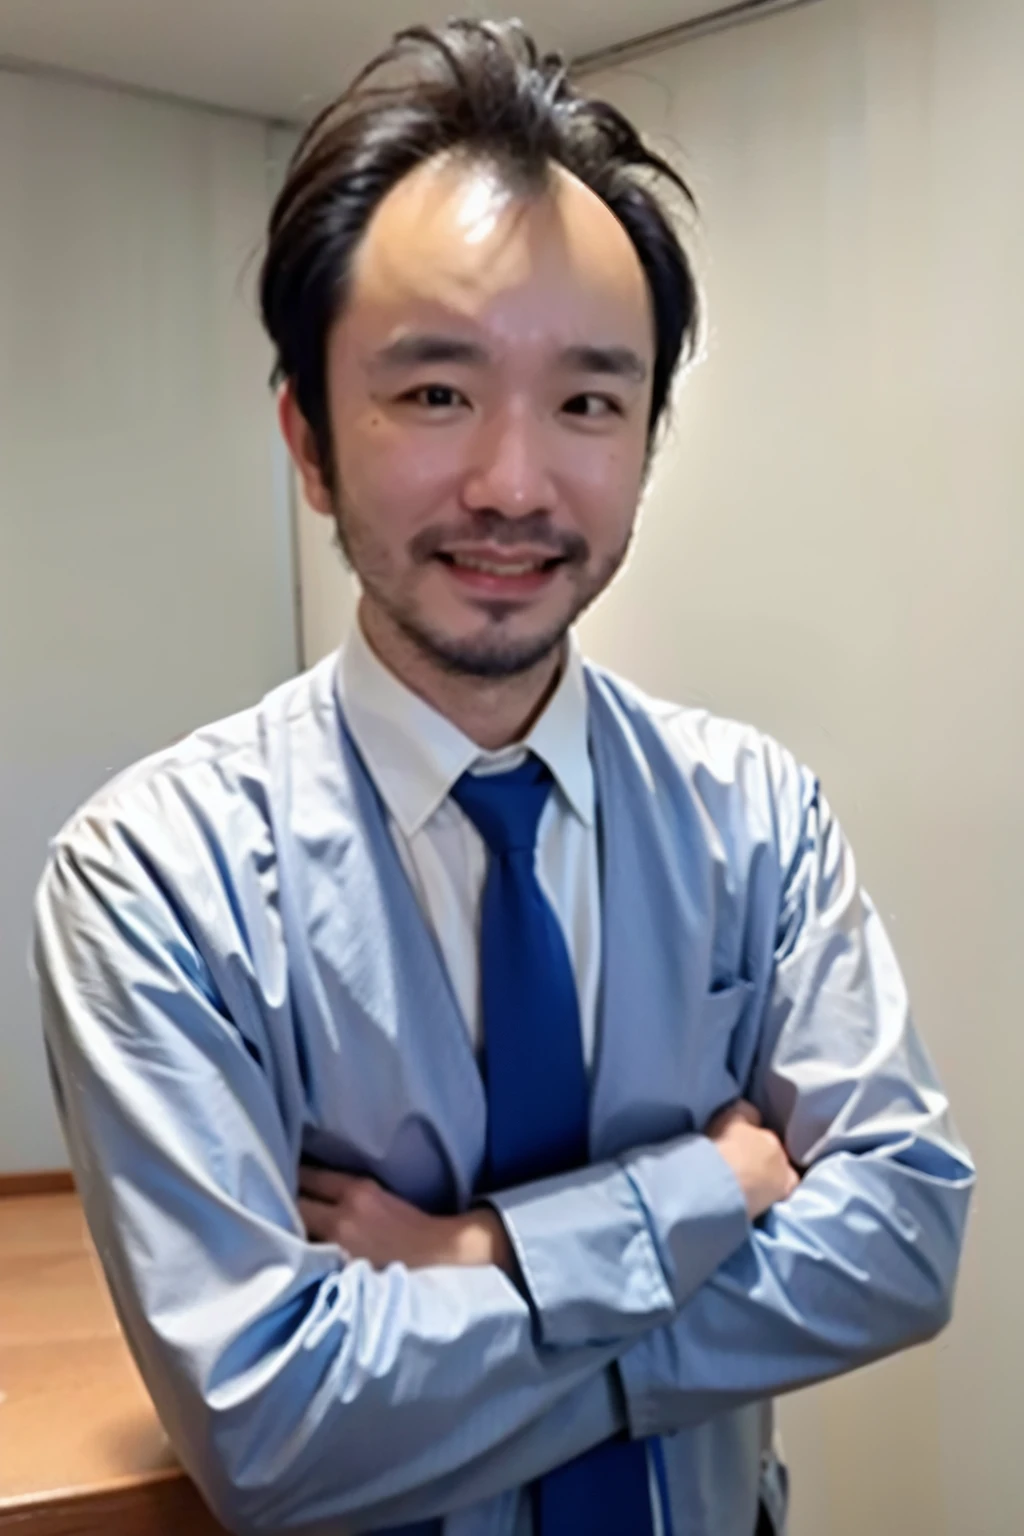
(387, 479)
(606, 491)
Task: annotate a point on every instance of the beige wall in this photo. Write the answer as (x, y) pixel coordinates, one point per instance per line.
(145, 543)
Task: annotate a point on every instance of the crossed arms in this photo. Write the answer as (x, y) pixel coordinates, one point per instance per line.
(301, 1388)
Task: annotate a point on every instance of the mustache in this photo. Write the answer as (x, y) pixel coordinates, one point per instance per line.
(491, 527)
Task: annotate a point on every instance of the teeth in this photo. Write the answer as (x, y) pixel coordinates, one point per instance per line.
(492, 568)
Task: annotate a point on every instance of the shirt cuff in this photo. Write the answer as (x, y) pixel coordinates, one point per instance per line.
(695, 1209)
(649, 1393)
(609, 1251)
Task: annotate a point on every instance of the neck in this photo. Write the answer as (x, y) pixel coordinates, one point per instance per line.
(492, 712)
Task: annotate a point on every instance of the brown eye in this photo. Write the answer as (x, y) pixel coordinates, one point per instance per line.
(436, 397)
(593, 406)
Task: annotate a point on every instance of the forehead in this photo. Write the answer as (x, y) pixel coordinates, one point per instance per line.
(453, 239)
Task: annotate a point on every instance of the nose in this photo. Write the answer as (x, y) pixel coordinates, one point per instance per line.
(509, 470)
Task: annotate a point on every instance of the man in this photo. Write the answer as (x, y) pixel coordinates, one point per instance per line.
(487, 1085)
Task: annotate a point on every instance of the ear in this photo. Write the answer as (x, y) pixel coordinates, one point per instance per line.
(298, 434)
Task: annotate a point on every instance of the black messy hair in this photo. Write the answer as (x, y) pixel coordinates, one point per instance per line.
(474, 87)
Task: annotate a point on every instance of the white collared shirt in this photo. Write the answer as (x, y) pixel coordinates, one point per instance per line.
(415, 756)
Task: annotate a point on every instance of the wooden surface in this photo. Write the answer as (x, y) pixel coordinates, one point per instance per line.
(49, 1181)
(81, 1449)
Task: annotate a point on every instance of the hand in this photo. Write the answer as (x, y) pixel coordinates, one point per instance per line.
(368, 1222)
(756, 1156)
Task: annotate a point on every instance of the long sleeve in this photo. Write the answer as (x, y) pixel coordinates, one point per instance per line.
(862, 1259)
(297, 1388)
(609, 1250)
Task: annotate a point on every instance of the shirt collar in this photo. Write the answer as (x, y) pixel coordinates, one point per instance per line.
(416, 755)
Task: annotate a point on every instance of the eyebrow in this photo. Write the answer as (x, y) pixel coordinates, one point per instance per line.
(621, 362)
(419, 348)
(424, 347)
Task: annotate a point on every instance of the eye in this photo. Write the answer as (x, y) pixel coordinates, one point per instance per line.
(435, 397)
(593, 406)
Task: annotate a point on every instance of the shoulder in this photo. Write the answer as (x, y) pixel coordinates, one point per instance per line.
(737, 771)
(213, 787)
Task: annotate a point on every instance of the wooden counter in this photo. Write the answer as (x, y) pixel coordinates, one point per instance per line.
(81, 1449)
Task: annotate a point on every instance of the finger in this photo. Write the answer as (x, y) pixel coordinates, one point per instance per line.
(739, 1111)
(790, 1182)
(321, 1224)
(720, 1120)
(317, 1217)
(716, 1125)
(324, 1183)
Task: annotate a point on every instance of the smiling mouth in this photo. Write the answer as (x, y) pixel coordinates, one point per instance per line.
(490, 578)
(492, 567)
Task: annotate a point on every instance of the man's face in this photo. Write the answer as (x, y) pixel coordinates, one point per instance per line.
(489, 386)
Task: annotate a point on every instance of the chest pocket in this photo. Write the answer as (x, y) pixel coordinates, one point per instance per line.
(717, 1068)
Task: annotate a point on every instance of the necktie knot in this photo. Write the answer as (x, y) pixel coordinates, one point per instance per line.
(506, 808)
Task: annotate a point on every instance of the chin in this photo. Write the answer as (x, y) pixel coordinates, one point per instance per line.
(498, 652)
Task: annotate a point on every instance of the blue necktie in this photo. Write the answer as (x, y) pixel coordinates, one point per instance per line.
(537, 1097)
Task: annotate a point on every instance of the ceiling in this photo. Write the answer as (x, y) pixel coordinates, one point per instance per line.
(281, 58)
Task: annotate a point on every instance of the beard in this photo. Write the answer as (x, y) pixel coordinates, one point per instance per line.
(493, 653)
(490, 655)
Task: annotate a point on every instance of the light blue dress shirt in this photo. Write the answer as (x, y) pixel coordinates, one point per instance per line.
(236, 973)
